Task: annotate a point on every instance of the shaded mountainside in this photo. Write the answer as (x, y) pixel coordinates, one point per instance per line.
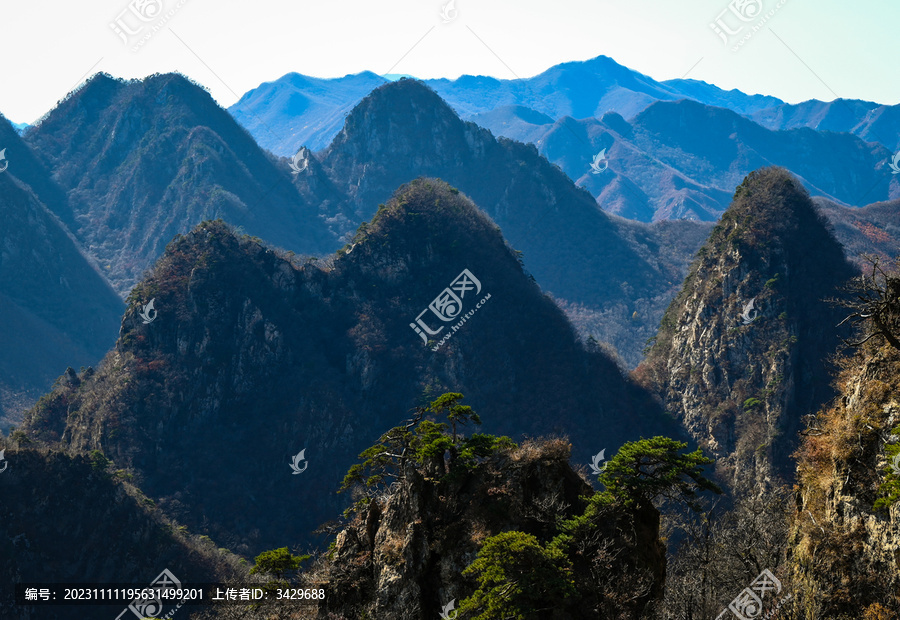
(741, 375)
(844, 550)
(144, 160)
(22, 163)
(574, 250)
(56, 310)
(68, 518)
(254, 358)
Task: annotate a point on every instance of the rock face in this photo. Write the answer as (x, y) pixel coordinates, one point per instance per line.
(845, 552)
(404, 556)
(741, 353)
(246, 359)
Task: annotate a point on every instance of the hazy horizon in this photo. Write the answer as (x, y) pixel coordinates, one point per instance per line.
(231, 50)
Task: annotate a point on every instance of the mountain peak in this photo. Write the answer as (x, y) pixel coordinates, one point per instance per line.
(420, 214)
(771, 204)
(406, 102)
(742, 348)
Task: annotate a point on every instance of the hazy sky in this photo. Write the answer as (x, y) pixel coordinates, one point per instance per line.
(822, 49)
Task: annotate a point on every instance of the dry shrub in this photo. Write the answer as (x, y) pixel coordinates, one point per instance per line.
(551, 448)
(876, 612)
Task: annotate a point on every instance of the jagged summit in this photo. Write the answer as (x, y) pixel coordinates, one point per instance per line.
(740, 355)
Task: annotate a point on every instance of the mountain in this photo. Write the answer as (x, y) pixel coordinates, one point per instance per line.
(870, 121)
(734, 100)
(577, 253)
(297, 110)
(25, 165)
(681, 159)
(21, 127)
(142, 161)
(252, 361)
(584, 89)
(56, 310)
(124, 204)
(870, 230)
(741, 354)
(75, 521)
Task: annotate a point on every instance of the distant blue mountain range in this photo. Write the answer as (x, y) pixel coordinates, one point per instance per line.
(297, 110)
(668, 150)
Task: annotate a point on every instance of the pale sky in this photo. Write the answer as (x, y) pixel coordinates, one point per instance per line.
(806, 49)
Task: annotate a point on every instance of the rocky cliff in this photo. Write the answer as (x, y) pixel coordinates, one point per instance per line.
(741, 355)
(845, 534)
(406, 555)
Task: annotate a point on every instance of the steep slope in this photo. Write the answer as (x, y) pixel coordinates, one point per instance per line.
(253, 359)
(298, 110)
(55, 309)
(22, 163)
(742, 351)
(67, 519)
(844, 550)
(142, 161)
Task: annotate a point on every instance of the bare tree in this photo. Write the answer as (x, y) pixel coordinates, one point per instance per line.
(874, 302)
